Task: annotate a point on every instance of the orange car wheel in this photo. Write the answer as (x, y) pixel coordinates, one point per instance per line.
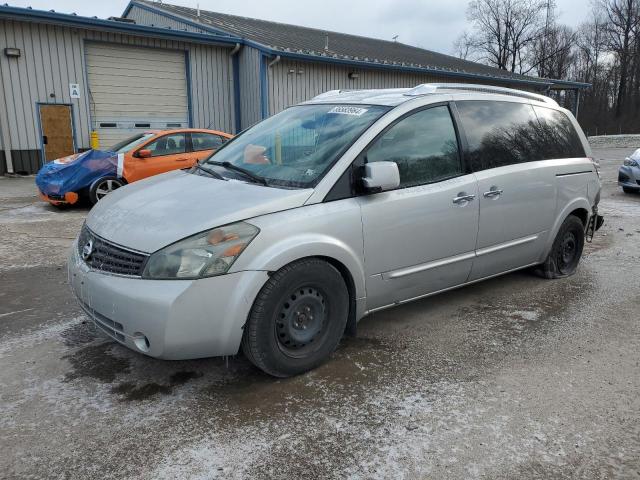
(103, 187)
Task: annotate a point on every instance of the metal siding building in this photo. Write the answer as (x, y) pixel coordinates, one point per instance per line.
(55, 52)
(281, 65)
(166, 65)
(292, 82)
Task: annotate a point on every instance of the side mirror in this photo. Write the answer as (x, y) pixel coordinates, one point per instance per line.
(143, 153)
(381, 176)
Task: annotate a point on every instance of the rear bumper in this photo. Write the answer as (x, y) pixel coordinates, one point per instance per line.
(180, 319)
(68, 198)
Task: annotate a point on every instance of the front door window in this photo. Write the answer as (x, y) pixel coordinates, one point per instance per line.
(423, 145)
(168, 145)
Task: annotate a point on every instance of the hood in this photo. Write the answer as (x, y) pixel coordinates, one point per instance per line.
(160, 210)
(75, 172)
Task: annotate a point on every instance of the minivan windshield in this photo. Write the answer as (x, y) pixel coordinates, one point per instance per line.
(125, 145)
(296, 147)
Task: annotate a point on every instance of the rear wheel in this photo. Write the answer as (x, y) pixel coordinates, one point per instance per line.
(103, 187)
(566, 251)
(297, 319)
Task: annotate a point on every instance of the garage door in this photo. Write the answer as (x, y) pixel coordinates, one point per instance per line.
(133, 89)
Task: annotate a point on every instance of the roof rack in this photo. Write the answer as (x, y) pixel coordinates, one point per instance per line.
(429, 88)
(332, 93)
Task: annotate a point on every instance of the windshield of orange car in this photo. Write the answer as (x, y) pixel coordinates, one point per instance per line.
(130, 143)
(296, 147)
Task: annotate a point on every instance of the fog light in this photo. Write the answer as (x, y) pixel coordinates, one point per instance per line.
(141, 342)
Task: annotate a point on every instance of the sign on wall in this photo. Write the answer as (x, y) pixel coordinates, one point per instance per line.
(74, 90)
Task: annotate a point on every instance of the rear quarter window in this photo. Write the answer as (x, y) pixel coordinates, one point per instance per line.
(506, 133)
(558, 135)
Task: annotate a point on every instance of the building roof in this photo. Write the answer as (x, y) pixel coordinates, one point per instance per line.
(72, 20)
(293, 40)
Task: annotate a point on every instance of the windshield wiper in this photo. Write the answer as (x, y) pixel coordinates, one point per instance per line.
(244, 171)
(213, 173)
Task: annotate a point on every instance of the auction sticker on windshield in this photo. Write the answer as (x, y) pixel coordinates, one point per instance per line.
(346, 110)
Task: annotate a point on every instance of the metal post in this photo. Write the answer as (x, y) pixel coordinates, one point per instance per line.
(577, 105)
(6, 143)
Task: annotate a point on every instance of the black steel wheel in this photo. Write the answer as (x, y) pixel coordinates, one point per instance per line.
(297, 319)
(566, 251)
(303, 321)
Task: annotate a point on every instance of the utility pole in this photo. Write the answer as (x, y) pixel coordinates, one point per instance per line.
(543, 60)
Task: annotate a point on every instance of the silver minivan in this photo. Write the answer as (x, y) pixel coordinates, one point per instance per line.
(347, 204)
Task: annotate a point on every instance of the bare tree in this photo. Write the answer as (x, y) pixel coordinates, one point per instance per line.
(622, 29)
(502, 31)
(604, 51)
(552, 54)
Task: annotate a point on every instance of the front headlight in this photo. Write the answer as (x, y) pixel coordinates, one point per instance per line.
(206, 254)
(628, 162)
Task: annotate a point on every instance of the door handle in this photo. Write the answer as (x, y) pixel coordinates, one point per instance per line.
(463, 198)
(182, 159)
(493, 193)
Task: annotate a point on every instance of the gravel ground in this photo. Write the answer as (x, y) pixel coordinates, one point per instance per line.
(515, 377)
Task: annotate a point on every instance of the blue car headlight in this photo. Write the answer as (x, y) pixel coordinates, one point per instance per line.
(629, 162)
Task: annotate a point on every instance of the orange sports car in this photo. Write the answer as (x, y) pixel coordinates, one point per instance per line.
(96, 173)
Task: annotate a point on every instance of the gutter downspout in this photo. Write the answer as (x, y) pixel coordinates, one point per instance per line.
(6, 147)
(274, 61)
(235, 62)
(236, 49)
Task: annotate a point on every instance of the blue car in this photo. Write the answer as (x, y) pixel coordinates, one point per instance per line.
(92, 173)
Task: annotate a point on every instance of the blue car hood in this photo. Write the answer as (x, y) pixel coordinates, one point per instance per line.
(75, 172)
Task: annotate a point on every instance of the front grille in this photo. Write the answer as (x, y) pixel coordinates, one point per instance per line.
(108, 257)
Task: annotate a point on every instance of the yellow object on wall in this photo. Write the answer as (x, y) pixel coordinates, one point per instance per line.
(95, 140)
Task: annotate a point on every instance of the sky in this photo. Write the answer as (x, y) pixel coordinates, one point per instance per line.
(429, 24)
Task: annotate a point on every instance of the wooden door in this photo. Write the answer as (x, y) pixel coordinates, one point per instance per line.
(57, 131)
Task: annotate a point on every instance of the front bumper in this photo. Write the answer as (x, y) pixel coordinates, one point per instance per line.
(181, 319)
(68, 198)
(629, 177)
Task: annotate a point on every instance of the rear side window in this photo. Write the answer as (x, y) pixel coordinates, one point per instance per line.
(499, 133)
(558, 135)
(205, 141)
(423, 145)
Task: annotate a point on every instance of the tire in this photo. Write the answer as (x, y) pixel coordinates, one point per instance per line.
(566, 251)
(297, 319)
(629, 190)
(102, 187)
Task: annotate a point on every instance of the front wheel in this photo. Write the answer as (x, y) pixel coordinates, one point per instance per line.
(629, 190)
(566, 251)
(103, 187)
(297, 319)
